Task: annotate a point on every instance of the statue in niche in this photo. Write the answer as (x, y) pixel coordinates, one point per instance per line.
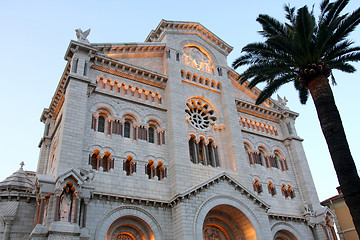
(82, 36)
(66, 204)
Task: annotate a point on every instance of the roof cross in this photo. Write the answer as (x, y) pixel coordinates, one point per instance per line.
(22, 164)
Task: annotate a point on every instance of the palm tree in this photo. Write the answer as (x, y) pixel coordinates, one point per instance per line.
(305, 51)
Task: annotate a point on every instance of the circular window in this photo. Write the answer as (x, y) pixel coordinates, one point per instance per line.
(200, 115)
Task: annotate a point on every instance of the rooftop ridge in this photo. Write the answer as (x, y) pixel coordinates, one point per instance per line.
(188, 27)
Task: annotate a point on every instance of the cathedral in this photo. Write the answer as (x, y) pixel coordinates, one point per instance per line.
(158, 141)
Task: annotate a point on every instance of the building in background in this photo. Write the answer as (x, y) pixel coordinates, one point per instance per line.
(157, 140)
(344, 223)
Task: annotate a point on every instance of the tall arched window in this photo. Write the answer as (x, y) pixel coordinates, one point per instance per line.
(193, 150)
(129, 166)
(203, 151)
(127, 126)
(202, 157)
(150, 169)
(107, 162)
(94, 159)
(250, 153)
(101, 124)
(151, 133)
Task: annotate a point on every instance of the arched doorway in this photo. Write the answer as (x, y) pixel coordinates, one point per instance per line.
(284, 235)
(129, 228)
(225, 222)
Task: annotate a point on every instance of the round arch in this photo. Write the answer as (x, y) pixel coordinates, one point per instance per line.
(141, 220)
(285, 231)
(221, 209)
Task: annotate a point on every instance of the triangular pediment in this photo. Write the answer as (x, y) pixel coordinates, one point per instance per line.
(196, 28)
(215, 180)
(70, 173)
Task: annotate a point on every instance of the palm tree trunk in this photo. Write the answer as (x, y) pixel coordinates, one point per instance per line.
(334, 134)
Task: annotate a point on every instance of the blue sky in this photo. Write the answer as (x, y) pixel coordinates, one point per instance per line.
(35, 36)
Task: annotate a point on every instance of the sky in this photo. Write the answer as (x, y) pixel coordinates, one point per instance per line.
(35, 36)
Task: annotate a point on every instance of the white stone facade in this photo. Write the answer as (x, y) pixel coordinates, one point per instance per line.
(157, 140)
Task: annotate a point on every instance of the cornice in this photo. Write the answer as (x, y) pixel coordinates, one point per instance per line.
(272, 114)
(114, 50)
(59, 91)
(216, 179)
(75, 46)
(185, 195)
(287, 217)
(118, 68)
(188, 27)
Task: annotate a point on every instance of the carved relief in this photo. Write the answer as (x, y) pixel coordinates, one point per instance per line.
(193, 57)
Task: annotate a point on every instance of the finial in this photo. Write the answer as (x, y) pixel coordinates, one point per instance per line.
(22, 165)
(82, 36)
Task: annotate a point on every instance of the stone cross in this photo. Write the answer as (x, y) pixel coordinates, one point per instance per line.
(22, 164)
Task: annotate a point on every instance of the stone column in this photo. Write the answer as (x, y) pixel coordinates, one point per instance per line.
(41, 212)
(86, 202)
(76, 203)
(57, 208)
(206, 154)
(8, 224)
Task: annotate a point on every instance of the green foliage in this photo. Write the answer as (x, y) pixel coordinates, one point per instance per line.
(301, 49)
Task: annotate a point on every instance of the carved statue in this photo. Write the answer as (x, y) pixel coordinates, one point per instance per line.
(283, 102)
(82, 36)
(66, 200)
(307, 209)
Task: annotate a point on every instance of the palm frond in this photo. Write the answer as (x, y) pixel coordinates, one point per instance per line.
(290, 13)
(272, 87)
(346, 26)
(271, 26)
(342, 66)
(305, 25)
(334, 11)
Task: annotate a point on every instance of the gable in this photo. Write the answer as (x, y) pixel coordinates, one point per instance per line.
(188, 28)
(214, 181)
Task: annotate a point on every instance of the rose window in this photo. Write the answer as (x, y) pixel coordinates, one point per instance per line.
(199, 114)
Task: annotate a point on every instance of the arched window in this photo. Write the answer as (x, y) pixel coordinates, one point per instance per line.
(127, 127)
(284, 190)
(274, 161)
(257, 186)
(94, 159)
(259, 157)
(193, 150)
(291, 191)
(271, 188)
(203, 151)
(251, 154)
(151, 133)
(202, 157)
(150, 169)
(129, 166)
(161, 170)
(281, 160)
(107, 162)
(101, 124)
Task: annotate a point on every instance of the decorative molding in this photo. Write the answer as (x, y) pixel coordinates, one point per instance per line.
(287, 217)
(60, 90)
(147, 49)
(258, 126)
(128, 71)
(134, 91)
(222, 176)
(200, 81)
